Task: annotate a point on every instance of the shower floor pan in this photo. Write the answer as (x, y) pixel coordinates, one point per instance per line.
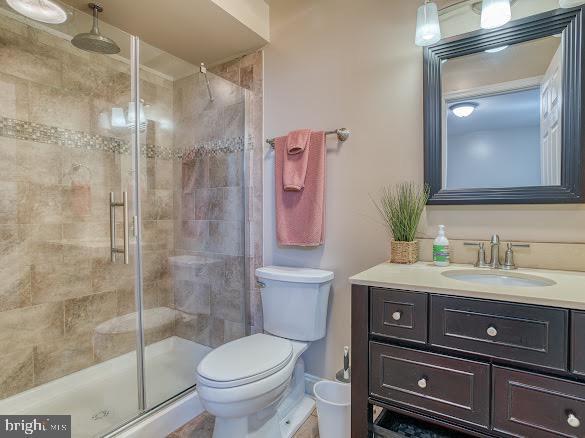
(103, 396)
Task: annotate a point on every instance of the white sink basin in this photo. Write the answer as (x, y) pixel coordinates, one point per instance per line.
(498, 278)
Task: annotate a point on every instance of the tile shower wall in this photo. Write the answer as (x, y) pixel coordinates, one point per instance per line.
(247, 72)
(208, 271)
(59, 159)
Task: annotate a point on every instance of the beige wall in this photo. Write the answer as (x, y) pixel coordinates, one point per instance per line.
(334, 63)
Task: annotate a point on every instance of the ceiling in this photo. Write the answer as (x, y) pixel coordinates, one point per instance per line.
(193, 30)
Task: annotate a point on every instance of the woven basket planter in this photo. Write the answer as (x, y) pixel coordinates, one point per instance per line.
(403, 252)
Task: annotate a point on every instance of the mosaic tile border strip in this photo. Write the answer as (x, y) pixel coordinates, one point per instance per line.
(215, 147)
(37, 132)
(40, 133)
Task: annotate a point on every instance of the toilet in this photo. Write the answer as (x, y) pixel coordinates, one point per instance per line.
(255, 386)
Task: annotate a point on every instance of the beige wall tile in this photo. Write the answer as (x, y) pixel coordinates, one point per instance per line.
(195, 328)
(38, 163)
(108, 276)
(53, 282)
(17, 371)
(9, 202)
(191, 296)
(13, 97)
(39, 203)
(227, 303)
(59, 358)
(36, 63)
(83, 314)
(56, 107)
(15, 284)
(31, 325)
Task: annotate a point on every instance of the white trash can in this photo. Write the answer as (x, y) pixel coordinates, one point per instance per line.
(333, 409)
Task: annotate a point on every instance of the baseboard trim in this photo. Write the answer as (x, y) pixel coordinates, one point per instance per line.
(310, 381)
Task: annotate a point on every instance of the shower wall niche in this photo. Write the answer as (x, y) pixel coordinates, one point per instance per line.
(66, 124)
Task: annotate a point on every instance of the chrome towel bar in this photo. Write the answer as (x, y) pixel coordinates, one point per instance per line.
(342, 135)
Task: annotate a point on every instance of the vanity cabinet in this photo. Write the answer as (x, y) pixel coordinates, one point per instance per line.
(516, 332)
(578, 343)
(480, 367)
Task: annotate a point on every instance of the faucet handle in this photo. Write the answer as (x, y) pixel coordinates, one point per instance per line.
(509, 259)
(480, 263)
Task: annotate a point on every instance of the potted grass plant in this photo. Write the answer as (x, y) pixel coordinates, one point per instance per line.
(401, 207)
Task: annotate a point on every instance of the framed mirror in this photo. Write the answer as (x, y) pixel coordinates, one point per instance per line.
(502, 113)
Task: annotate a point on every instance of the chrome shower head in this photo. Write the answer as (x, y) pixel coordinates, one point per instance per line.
(94, 41)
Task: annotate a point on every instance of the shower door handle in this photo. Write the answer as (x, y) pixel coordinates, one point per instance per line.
(113, 249)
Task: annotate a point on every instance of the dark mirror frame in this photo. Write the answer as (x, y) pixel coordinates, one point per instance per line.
(572, 188)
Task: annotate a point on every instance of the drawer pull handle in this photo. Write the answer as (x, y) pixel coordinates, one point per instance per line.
(491, 331)
(573, 420)
(396, 316)
(422, 383)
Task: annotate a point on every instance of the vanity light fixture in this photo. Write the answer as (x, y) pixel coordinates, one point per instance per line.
(463, 109)
(428, 29)
(496, 49)
(495, 13)
(46, 11)
(570, 3)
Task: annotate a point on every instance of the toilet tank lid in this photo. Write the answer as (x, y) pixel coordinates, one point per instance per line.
(294, 275)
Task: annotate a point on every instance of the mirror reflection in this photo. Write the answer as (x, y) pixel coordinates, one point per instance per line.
(502, 116)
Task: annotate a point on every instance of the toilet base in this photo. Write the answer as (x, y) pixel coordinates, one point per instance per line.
(290, 424)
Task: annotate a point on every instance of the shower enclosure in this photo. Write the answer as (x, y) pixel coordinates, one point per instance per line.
(122, 238)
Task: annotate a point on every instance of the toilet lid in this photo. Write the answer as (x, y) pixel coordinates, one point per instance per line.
(245, 360)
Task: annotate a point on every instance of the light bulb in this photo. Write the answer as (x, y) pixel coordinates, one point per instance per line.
(428, 29)
(495, 13)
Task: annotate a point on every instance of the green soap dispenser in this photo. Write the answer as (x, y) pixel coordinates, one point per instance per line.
(441, 248)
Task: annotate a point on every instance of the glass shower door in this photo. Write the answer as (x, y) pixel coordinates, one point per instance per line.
(68, 337)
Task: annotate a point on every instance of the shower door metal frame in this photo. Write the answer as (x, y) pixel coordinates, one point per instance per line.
(138, 283)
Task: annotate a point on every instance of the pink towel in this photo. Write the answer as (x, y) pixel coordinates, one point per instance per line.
(300, 215)
(295, 161)
(297, 141)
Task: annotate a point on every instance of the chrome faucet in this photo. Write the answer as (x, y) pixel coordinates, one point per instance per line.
(495, 254)
(495, 245)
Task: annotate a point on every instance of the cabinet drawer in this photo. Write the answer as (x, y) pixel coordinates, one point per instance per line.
(453, 388)
(398, 314)
(578, 343)
(535, 406)
(516, 332)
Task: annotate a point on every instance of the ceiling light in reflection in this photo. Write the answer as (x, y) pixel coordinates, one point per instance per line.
(464, 109)
(496, 49)
(46, 11)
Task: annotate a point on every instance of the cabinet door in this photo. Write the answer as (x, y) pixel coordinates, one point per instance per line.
(399, 314)
(455, 389)
(536, 406)
(578, 343)
(516, 332)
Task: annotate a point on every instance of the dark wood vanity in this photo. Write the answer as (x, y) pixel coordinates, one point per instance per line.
(475, 366)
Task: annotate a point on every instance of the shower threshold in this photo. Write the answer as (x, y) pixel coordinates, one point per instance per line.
(101, 397)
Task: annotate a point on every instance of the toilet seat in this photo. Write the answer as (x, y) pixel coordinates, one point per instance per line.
(244, 361)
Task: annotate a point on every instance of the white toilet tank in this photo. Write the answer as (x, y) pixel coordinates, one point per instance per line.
(294, 301)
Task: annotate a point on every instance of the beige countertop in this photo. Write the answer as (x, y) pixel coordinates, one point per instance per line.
(568, 290)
